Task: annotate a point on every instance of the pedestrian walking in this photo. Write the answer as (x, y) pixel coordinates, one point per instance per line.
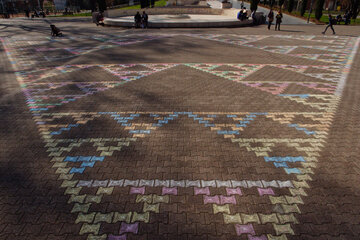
(278, 17)
(331, 21)
(144, 19)
(270, 18)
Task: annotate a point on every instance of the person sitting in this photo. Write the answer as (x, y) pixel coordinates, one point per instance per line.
(338, 19)
(55, 31)
(42, 14)
(137, 20)
(99, 19)
(244, 15)
(240, 14)
(36, 14)
(144, 20)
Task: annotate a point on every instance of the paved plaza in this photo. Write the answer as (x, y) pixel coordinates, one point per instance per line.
(240, 133)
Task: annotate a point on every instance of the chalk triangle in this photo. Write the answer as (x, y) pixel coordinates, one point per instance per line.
(239, 71)
(323, 87)
(273, 88)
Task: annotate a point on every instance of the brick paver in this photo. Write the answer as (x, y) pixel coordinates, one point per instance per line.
(179, 135)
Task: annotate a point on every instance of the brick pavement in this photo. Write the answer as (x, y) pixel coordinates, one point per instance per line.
(204, 136)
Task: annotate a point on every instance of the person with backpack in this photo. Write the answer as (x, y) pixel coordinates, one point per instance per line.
(331, 22)
(270, 18)
(278, 17)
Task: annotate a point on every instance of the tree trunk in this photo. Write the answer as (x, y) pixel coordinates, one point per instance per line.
(319, 8)
(303, 7)
(291, 5)
(355, 4)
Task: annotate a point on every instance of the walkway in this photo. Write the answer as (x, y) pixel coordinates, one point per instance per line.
(210, 134)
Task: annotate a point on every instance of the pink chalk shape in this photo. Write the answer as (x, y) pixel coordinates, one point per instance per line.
(202, 191)
(262, 237)
(227, 199)
(265, 191)
(129, 228)
(211, 199)
(233, 191)
(244, 229)
(119, 237)
(169, 191)
(137, 190)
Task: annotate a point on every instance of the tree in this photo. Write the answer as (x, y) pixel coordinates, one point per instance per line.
(303, 7)
(102, 5)
(291, 5)
(319, 8)
(272, 3)
(355, 8)
(253, 5)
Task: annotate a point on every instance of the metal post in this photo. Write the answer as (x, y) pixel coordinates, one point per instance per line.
(310, 10)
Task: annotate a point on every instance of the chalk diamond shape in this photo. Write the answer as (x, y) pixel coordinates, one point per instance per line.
(244, 229)
(233, 191)
(137, 190)
(211, 199)
(117, 237)
(201, 191)
(265, 191)
(169, 191)
(129, 228)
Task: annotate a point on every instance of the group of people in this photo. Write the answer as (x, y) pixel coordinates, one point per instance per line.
(141, 20)
(36, 13)
(346, 18)
(99, 19)
(278, 19)
(242, 14)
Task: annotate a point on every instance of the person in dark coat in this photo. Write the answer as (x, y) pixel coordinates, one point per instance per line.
(240, 14)
(270, 18)
(27, 13)
(137, 20)
(329, 25)
(279, 17)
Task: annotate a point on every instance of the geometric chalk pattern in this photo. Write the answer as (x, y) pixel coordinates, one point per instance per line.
(82, 144)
